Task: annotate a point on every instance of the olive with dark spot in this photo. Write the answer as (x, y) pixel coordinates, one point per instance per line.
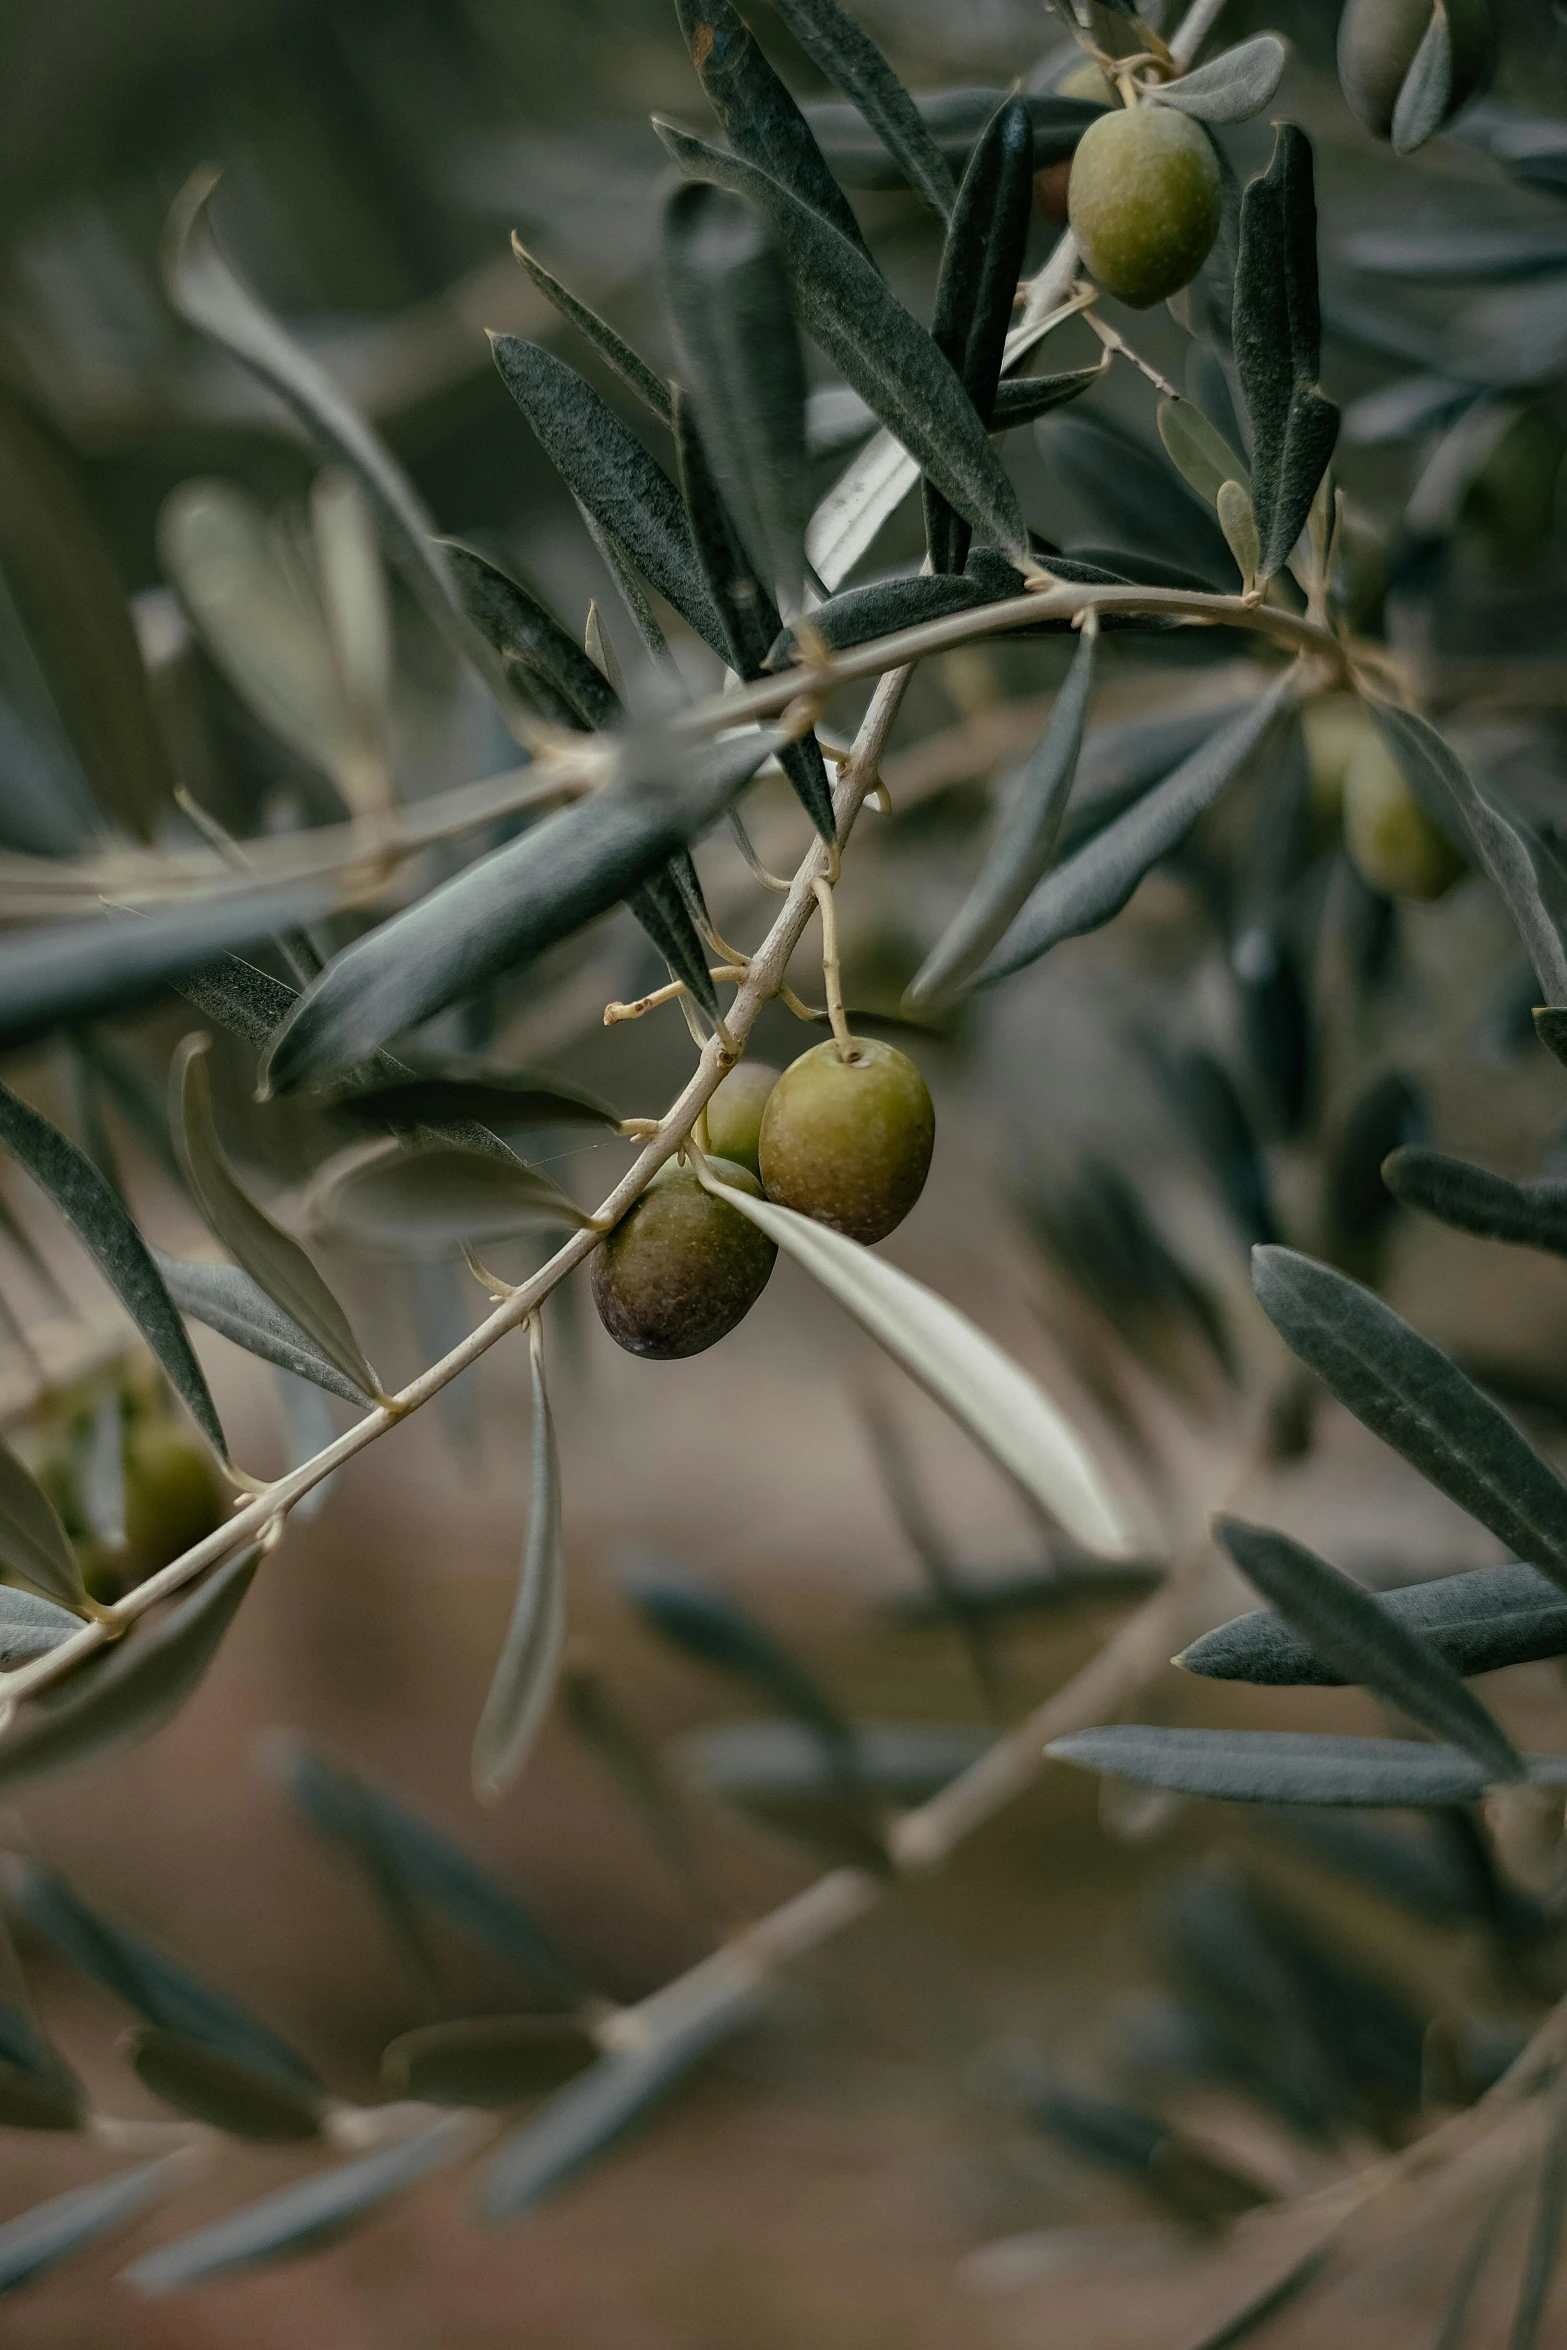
(848, 1139)
(681, 1268)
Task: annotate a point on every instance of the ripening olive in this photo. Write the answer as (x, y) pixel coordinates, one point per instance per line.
(848, 1141)
(1144, 202)
(680, 1268)
(1393, 842)
(173, 1495)
(734, 1115)
(1335, 726)
(1377, 40)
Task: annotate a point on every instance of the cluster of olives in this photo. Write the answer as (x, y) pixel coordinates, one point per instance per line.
(174, 1495)
(1357, 782)
(841, 1135)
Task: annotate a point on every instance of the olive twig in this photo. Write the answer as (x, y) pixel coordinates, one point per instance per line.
(743, 841)
(832, 969)
(1122, 349)
(674, 989)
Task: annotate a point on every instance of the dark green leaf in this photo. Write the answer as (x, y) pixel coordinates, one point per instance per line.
(981, 263)
(1361, 1641)
(391, 1843)
(38, 2098)
(1209, 1105)
(632, 370)
(521, 630)
(1445, 789)
(1545, 2236)
(98, 1217)
(1022, 399)
(1024, 844)
(1427, 88)
(665, 917)
(34, 1547)
(30, 1626)
(299, 2217)
(1530, 1215)
(142, 1682)
(508, 907)
(68, 2223)
(426, 1199)
(759, 118)
(1278, 336)
(1411, 1395)
(844, 305)
(157, 1987)
(455, 1091)
(709, 1625)
(1231, 87)
(1457, 251)
(1094, 885)
(955, 119)
(612, 475)
(530, 1655)
(1359, 1202)
(271, 1256)
(228, 1301)
(602, 2104)
(836, 44)
(1283, 1766)
(1033, 1591)
(488, 2060)
(240, 2099)
(1479, 1620)
(742, 364)
(115, 963)
(858, 614)
(895, 1763)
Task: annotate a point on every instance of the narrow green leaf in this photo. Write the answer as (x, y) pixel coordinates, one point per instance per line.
(1092, 887)
(157, 1987)
(454, 1092)
(591, 2112)
(1361, 1641)
(1278, 334)
(666, 918)
(1418, 1401)
(69, 2223)
(1445, 788)
(1232, 87)
(954, 119)
(1033, 1591)
(34, 1547)
(297, 2218)
(1543, 2256)
(1285, 1766)
(858, 614)
(392, 1844)
(209, 294)
(1198, 450)
(759, 118)
(488, 2061)
(612, 475)
(504, 910)
(844, 304)
(1480, 1620)
(1239, 525)
(228, 1301)
(112, 964)
(116, 1702)
(530, 1657)
(895, 1763)
(1022, 399)
(651, 389)
(240, 2099)
(981, 263)
(1427, 88)
(716, 1629)
(524, 632)
(271, 1256)
(1529, 1215)
(1024, 844)
(30, 1626)
(741, 359)
(836, 44)
(1002, 1408)
(427, 1199)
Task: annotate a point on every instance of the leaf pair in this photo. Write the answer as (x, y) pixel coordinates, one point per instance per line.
(1278, 337)
(1479, 1621)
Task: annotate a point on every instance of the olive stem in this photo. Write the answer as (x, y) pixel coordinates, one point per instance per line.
(1123, 350)
(832, 969)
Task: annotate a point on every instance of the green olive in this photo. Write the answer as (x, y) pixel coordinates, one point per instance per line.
(681, 1269)
(173, 1495)
(1335, 727)
(1089, 81)
(734, 1115)
(1144, 202)
(1377, 40)
(848, 1141)
(1393, 842)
